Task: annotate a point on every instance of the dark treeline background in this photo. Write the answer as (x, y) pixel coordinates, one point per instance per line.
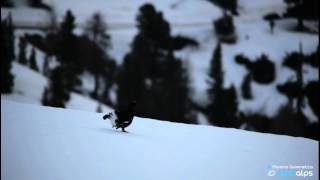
(158, 81)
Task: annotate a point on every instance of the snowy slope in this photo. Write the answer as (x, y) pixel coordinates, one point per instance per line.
(24, 17)
(29, 86)
(51, 143)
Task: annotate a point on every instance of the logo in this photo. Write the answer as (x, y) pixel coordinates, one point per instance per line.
(272, 172)
(290, 170)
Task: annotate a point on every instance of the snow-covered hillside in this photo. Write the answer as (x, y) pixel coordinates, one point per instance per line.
(194, 19)
(40, 143)
(29, 87)
(23, 17)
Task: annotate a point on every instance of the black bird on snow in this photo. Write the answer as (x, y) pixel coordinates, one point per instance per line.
(123, 118)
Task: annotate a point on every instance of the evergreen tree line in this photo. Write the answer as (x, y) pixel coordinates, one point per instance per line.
(150, 74)
(223, 107)
(87, 52)
(75, 55)
(143, 70)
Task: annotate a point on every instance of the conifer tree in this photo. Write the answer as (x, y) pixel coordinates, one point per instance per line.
(7, 56)
(290, 122)
(227, 5)
(295, 61)
(223, 104)
(215, 84)
(311, 91)
(246, 88)
(109, 77)
(290, 89)
(302, 10)
(313, 59)
(22, 59)
(142, 63)
(56, 94)
(216, 73)
(64, 78)
(32, 60)
(50, 42)
(174, 89)
(271, 18)
(101, 65)
(67, 52)
(10, 34)
(96, 30)
(150, 73)
(225, 29)
(297, 89)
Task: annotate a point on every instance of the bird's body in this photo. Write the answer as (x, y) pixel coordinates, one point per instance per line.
(123, 118)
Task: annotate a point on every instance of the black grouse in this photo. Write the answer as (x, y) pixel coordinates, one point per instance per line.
(124, 117)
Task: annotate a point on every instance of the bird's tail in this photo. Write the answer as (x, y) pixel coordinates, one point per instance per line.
(107, 116)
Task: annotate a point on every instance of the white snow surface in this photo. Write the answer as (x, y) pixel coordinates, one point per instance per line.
(24, 17)
(48, 143)
(29, 86)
